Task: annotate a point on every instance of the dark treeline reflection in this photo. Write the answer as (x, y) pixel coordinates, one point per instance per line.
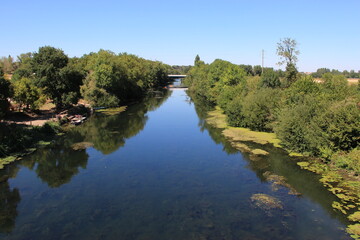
(202, 107)
(59, 163)
(9, 199)
(278, 163)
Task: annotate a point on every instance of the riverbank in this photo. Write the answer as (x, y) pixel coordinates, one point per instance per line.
(344, 184)
(24, 134)
(18, 140)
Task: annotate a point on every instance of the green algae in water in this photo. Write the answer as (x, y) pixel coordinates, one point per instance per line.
(218, 119)
(354, 231)
(339, 206)
(355, 217)
(44, 143)
(303, 164)
(295, 154)
(259, 152)
(241, 146)
(112, 111)
(6, 160)
(246, 135)
(277, 181)
(266, 202)
(81, 145)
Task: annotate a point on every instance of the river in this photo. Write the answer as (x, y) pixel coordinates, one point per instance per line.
(159, 171)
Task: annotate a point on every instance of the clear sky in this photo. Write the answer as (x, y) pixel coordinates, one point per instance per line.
(327, 31)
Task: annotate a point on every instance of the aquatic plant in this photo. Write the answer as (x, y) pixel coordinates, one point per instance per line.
(266, 202)
(354, 230)
(355, 217)
(81, 145)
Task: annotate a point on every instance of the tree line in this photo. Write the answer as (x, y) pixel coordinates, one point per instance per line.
(317, 119)
(348, 74)
(103, 78)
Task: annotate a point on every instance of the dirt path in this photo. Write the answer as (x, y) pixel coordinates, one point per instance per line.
(31, 119)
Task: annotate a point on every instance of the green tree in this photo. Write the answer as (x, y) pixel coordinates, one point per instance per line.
(5, 93)
(270, 79)
(301, 88)
(24, 67)
(335, 87)
(26, 93)
(257, 70)
(7, 64)
(290, 75)
(320, 71)
(248, 69)
(338, 126)
(287, 51)
(259, 107)
(53, 74)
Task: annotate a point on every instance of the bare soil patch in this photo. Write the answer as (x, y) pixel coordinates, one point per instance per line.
(30, 118)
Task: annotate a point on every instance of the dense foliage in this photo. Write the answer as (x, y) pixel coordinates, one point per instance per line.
(16, 138)
(103, 78)
(5, 93)
(112, 79)
(320, 119)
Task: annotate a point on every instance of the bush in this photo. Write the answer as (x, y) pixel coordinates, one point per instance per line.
(294, 126)
(234, 112)
(258, 109)
(339, 125)
(270, 79)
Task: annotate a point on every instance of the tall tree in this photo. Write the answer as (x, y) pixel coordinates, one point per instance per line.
(287, 50)
(197, 61)
(58, 79)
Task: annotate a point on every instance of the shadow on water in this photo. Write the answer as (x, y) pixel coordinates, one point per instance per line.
(277, 163)
(58, 164)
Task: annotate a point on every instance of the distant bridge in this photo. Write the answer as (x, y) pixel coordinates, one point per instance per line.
(176, 76)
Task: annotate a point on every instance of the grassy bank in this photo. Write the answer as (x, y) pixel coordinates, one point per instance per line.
(344, 184)
(19, 140)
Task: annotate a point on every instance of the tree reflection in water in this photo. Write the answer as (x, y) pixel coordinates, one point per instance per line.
(56, 165)
(9, 199)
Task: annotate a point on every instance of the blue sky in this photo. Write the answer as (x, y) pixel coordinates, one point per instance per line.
(327, 32)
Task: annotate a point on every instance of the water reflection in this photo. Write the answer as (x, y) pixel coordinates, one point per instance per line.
(109, 133)
(9, 199)
(58, 164)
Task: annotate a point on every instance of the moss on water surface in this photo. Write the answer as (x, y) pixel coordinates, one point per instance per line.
(246, 135)
(112, 111)
(266, 203)
(218, 119)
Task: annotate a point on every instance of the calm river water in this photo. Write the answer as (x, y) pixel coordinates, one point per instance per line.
(158, 171)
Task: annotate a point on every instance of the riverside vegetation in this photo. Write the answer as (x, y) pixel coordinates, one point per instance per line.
(285, 109)
(317, 120)
(103, 79)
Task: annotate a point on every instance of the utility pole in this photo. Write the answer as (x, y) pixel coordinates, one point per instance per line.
(262, 62)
